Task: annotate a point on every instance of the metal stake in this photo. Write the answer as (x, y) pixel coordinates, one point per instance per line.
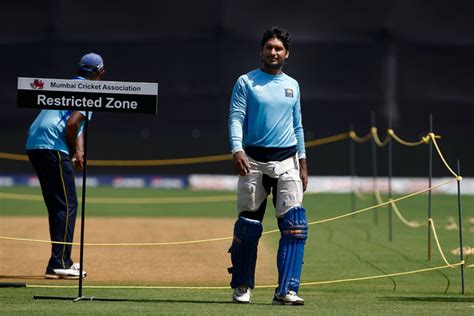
(374, 166)
(390, 170)
(461, 243)
(352, 164)
(430, 176)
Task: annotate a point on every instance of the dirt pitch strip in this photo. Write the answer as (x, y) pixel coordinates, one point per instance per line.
(203, 264)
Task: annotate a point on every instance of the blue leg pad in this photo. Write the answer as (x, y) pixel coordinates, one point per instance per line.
(294, 232)
(243, 252)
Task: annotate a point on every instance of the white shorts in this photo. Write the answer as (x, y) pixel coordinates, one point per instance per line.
(251, 193)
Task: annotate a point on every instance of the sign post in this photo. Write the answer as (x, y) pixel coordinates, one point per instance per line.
(86, 95)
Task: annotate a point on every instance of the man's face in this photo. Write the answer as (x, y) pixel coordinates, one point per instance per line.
(274, 54)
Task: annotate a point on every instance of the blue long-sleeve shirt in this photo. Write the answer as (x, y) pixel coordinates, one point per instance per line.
(265, 111)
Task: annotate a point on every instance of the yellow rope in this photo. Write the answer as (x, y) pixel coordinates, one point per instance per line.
(224, 157)
(378, 197)
(433, 138)
(377, 140)
(435, 235)
(20, 197)
(358, 139)
(118, 200)
(423, 140)
(138, 287)
(384, 275)
(13, 157)
(138, 244)
(412, 224)
(382, 204)
(178, 161)
(358, 193)
(229, 238)
(159, 162)
(468, 265)
(215, 158)
(326, 140)
(136, 163)
(129, 287)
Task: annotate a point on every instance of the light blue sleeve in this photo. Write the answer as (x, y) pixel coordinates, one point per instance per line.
(298, 127)
(84, 114)
(81, 128)
(237, 112)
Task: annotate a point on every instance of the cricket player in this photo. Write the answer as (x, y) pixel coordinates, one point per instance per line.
(55, 148)
(267, 142)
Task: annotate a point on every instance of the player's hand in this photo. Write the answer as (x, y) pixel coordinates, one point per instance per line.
(304, 173)
(241, 163)
(78, 160)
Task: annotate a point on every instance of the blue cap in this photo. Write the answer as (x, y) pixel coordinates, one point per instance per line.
(91, 62)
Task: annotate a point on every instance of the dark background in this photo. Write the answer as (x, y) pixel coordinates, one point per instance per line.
(406, 57)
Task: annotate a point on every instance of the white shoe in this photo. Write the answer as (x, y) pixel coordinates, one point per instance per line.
(289, 299)
(69, 274)
(241, 295)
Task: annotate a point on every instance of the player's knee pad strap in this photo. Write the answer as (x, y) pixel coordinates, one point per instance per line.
(243, 252)
(294, 232)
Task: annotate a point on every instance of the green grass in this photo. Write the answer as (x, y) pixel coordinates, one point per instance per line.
(347, 248)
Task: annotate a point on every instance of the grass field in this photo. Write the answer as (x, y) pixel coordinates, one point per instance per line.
(352, 247)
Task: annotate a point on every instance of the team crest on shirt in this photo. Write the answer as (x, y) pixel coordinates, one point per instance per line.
(289, 93)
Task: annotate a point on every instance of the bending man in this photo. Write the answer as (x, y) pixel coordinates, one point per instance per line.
(55, 148)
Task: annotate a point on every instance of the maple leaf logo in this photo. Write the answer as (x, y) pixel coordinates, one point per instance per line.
(37, 84)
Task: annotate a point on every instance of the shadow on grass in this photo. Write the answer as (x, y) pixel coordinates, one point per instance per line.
(427, 299)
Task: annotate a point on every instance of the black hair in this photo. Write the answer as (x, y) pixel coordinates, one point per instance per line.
(279, 33)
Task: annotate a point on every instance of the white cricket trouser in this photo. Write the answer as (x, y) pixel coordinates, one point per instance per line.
(251, 193)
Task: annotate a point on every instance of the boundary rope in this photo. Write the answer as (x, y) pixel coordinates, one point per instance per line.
(229, 238)
(433, 138)
(435, 235)
(351, 134)
(383, 203)
(159, 162)
(177, 161)
(390, 134)
(13, 157)
(377, 195)
(118, 200)
(384, 275)
(257, 286)
(412, 224)
(423, 140)
(359, 139)
(448, 265)
(377, 140)
(358, 193)
(223, 157)
(326, 140)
